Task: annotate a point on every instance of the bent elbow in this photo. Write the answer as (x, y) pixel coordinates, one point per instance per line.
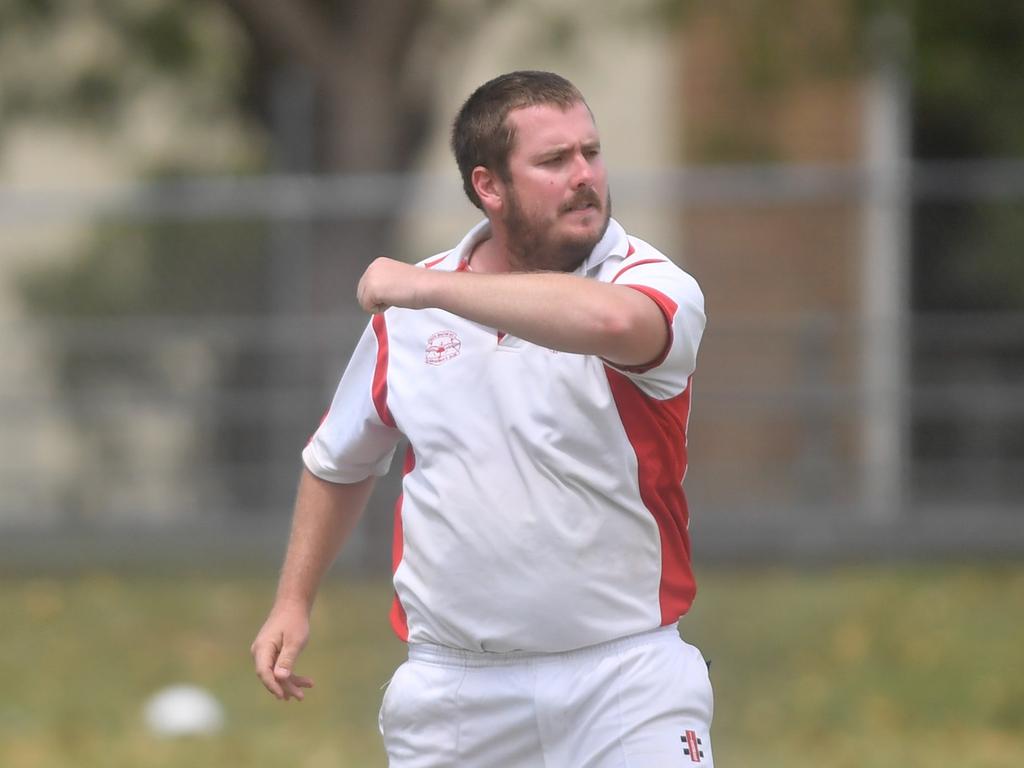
(630, 337)
(616, 327)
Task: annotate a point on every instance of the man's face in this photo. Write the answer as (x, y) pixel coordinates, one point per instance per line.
(557, 204)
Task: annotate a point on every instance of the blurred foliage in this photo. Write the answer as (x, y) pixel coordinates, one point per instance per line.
(843, 667)
(157, 80)
(172, 275)
(99, 62)
(160, 268)
(114, 66)
(967, 257)
(963, 58)
(181, 88)
(963, 61)
(968, 103)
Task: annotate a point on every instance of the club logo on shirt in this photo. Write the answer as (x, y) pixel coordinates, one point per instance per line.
(693, 746)
(442, 346)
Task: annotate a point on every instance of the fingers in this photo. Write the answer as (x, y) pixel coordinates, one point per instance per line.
(275, 660)
(368, 300)
(292, 686)
(281, 682)
(384, 284)
(285, 664)
(365, 291)
(371, 305)
(264, 654)
(283, 671)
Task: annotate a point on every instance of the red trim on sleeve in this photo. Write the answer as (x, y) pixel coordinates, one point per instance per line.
(668, 309)
(636, 264)
(379, 389)
(435, 262)
(399, 622)
(657, 432)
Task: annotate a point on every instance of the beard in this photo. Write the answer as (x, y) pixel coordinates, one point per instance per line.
(534, 246)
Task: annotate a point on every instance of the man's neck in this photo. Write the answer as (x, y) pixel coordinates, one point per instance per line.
(490, 256)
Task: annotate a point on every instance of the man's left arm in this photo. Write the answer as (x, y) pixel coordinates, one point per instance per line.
(555, 310)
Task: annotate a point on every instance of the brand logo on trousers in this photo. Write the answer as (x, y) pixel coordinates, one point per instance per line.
(442, 346)
(693, 746)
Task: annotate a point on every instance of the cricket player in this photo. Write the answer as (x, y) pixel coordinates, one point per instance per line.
(540, 374)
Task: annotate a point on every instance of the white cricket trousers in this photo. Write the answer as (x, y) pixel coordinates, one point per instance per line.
(642, 701)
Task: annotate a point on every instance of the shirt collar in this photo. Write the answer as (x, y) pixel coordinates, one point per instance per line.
(614, 243)
(480, 232)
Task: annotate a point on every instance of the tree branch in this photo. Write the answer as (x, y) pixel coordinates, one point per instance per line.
(296, 28)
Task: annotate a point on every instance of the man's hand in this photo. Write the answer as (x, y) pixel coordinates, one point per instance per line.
(275, 649)
(389, 283)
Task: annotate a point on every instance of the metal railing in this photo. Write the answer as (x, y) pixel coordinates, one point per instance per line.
(148, 436)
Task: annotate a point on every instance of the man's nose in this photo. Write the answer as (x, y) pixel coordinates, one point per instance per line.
(582, 172)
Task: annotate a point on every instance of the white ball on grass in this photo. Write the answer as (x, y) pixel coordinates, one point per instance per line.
(183, 710)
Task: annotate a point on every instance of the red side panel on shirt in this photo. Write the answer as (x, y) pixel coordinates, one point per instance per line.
(657, 431)
(398, 620)
(379, 389)
(379, 392)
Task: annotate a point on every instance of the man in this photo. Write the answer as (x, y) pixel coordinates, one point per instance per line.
(541, 374)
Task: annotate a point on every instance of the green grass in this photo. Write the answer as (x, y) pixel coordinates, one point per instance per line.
(885, 667)
(865, 667)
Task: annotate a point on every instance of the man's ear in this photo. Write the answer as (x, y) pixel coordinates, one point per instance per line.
(489, 188)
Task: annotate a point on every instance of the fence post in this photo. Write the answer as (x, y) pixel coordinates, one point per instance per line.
(292, 106)
(885, 276)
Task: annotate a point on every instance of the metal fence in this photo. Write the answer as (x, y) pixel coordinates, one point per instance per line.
(163, 373)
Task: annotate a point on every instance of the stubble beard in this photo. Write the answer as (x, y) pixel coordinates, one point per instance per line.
(533, 248)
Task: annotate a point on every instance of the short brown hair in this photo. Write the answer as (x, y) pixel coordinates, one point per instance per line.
(481, 134)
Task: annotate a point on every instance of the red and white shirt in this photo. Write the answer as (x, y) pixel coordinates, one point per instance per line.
(542, 505)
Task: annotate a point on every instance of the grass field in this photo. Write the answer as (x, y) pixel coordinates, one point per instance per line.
(894, 667)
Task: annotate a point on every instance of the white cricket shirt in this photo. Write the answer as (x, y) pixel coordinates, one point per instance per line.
(542, 505)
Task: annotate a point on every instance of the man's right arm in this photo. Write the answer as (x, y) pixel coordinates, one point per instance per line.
(325, 514)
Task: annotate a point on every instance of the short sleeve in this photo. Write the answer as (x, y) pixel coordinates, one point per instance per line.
(682, 303)
(353, 441)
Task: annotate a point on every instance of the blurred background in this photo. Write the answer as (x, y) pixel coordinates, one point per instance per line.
(190, 190)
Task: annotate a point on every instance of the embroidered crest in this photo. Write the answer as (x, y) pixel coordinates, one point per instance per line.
(442, 346)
